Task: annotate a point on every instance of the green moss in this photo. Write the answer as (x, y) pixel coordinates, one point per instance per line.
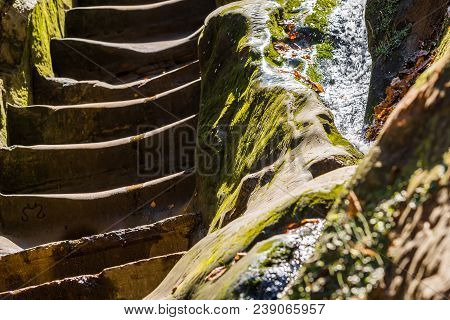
(392, 41)
(338, 140)
(384, 35)
(313, 73)
(241, 235)
(272, 56)
(46, 21)
(319, 18)
(325, 50)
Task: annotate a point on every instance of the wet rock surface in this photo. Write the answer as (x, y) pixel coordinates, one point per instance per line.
(283, 207)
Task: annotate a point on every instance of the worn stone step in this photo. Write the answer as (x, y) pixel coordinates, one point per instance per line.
(99, 122)
(130, 281)
(152, 22)
(96, 3)
(82, 59)
(91, 255)
(84, 168)
(29, 220)
(65, 91)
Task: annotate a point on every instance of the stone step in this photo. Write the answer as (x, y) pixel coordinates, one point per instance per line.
(91, 255)
(85, 168)
(130, 281)
(97, 3)
(82, 59)
(143, 23)
(65, 91)
(28, 220)
(97, 122)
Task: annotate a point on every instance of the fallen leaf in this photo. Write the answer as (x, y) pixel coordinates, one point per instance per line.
(397, 89)
(293, 35)
(318, 87)
(354, 206)
(305, 221)
(153, 204)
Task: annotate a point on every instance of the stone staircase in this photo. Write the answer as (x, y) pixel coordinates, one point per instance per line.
(98, 173)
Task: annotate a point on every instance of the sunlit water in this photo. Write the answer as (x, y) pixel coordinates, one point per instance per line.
(269, 282)
(346, 75)
(348, 72)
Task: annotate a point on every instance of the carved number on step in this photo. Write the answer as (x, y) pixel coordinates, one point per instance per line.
(35, 210)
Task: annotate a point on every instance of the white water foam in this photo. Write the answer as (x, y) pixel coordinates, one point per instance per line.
(348, 72)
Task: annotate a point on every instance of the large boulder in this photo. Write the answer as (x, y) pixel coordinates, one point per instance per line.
(253, 130)
(261, 234)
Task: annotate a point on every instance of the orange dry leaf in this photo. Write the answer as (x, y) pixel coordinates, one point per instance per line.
(318, 87)
(365, 251)
(354, 206)
(293, 35)
(293, 225)
(395, 92)
(305, 221)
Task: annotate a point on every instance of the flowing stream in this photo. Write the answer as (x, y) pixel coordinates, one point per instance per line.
(348, 72)
(346, 77)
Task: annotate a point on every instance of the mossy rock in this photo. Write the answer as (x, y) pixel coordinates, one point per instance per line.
(30, 40)
(248, 124)
(397, 30)
(189, 278)
(395, 212)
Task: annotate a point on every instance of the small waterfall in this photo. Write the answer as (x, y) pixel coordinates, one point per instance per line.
(345, 76)
(348, 73)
